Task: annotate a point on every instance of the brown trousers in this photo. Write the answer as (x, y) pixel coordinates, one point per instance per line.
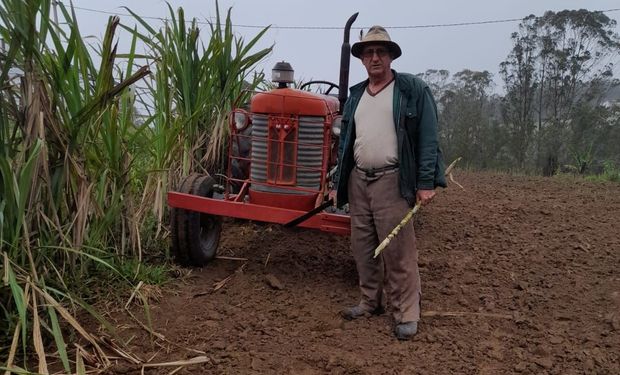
(376, 207)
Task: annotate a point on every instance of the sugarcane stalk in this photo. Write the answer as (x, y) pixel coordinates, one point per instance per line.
(410, 214)
(397, 229)
(451, 167)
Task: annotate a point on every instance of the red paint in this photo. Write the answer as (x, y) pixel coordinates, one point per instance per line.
(283, 108)
(291, 201)
(334, 223)
(294, 102)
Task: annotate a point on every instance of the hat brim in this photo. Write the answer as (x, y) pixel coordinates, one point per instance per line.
(358, 48)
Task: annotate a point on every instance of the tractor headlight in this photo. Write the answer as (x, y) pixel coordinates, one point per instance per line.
(336, 123)
(240, 120)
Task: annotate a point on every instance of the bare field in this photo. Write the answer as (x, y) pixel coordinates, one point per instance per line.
(519, 275)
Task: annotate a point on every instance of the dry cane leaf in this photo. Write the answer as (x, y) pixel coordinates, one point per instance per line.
(36, 336)
(9, 362)
(133, 294)
(231, 258)
(193, 361)
(114, 347)
(74, 323)
(220, 284)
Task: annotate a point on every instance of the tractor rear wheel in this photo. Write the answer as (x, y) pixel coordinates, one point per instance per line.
(195, 235)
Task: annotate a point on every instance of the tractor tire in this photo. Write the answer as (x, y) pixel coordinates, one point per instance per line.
(195, 235)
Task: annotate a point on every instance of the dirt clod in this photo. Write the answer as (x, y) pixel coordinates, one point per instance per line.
(520, 367)
(274, 282)
(546, 363)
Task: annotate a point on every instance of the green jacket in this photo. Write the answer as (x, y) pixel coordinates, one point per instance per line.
(415, 115)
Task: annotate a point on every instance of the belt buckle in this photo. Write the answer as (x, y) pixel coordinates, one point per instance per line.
(370, 173)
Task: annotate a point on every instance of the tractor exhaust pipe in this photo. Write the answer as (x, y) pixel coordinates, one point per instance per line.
(345, 60)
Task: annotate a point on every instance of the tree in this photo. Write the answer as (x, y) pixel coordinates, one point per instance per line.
(465, 116)
(519, 75)
(437, 80)
(575, 45)
(552, 60)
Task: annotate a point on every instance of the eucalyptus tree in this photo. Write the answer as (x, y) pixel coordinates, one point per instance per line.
(553, 59)
(466, 116)
(520, 80)
(437, 80)
(576, 46)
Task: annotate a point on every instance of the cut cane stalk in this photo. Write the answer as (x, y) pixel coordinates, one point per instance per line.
(410, 214)
(395, 231)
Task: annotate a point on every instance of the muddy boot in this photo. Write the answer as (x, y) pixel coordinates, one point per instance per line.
(358, 311)
(405, 331)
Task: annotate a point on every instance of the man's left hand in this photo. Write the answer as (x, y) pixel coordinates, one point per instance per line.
(425, 196)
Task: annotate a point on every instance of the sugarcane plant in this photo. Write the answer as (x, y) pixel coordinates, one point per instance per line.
(79, 164)
(64, 163)
(193, 90)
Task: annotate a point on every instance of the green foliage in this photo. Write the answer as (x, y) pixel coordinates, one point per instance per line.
(126, 270)
(79, 169)
(194, 87)
(151, 274)
(611, 173)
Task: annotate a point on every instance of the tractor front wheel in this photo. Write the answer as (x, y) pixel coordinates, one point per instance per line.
(195, 235)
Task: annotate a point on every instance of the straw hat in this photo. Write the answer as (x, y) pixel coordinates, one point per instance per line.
(376, 35)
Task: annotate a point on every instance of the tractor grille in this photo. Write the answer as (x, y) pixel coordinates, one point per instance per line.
(309, 155)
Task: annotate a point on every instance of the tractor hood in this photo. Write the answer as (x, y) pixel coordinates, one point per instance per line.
(294, 102)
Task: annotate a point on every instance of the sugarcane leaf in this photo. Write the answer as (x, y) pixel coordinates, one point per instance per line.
(59, 339)
(142, 21)
(20, 302)
(26, 176)
(84, 305)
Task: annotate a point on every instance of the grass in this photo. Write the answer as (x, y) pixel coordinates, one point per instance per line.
(611, 173)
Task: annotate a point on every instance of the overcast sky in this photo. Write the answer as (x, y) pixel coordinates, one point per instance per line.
(315, 53)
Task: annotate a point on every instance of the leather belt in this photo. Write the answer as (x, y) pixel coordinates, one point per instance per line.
(374, 172)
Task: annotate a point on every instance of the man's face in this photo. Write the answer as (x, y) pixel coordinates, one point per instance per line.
(377, 59)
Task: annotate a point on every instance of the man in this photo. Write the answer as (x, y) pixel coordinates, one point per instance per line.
(388, 159)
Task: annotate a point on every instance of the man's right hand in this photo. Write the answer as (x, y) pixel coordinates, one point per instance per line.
(425, 196)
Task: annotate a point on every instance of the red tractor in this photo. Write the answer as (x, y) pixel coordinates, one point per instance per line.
(281, 160)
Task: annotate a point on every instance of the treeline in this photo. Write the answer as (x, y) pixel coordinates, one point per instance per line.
(560, 107)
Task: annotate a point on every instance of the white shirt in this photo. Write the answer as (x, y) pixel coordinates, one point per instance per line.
(376, 144)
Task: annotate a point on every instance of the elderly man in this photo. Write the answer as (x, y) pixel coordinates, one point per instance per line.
(388, 159)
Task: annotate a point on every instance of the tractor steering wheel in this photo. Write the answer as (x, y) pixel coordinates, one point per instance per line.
(330, 85)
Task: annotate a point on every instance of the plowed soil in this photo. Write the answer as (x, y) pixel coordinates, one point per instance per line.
(519, 275)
